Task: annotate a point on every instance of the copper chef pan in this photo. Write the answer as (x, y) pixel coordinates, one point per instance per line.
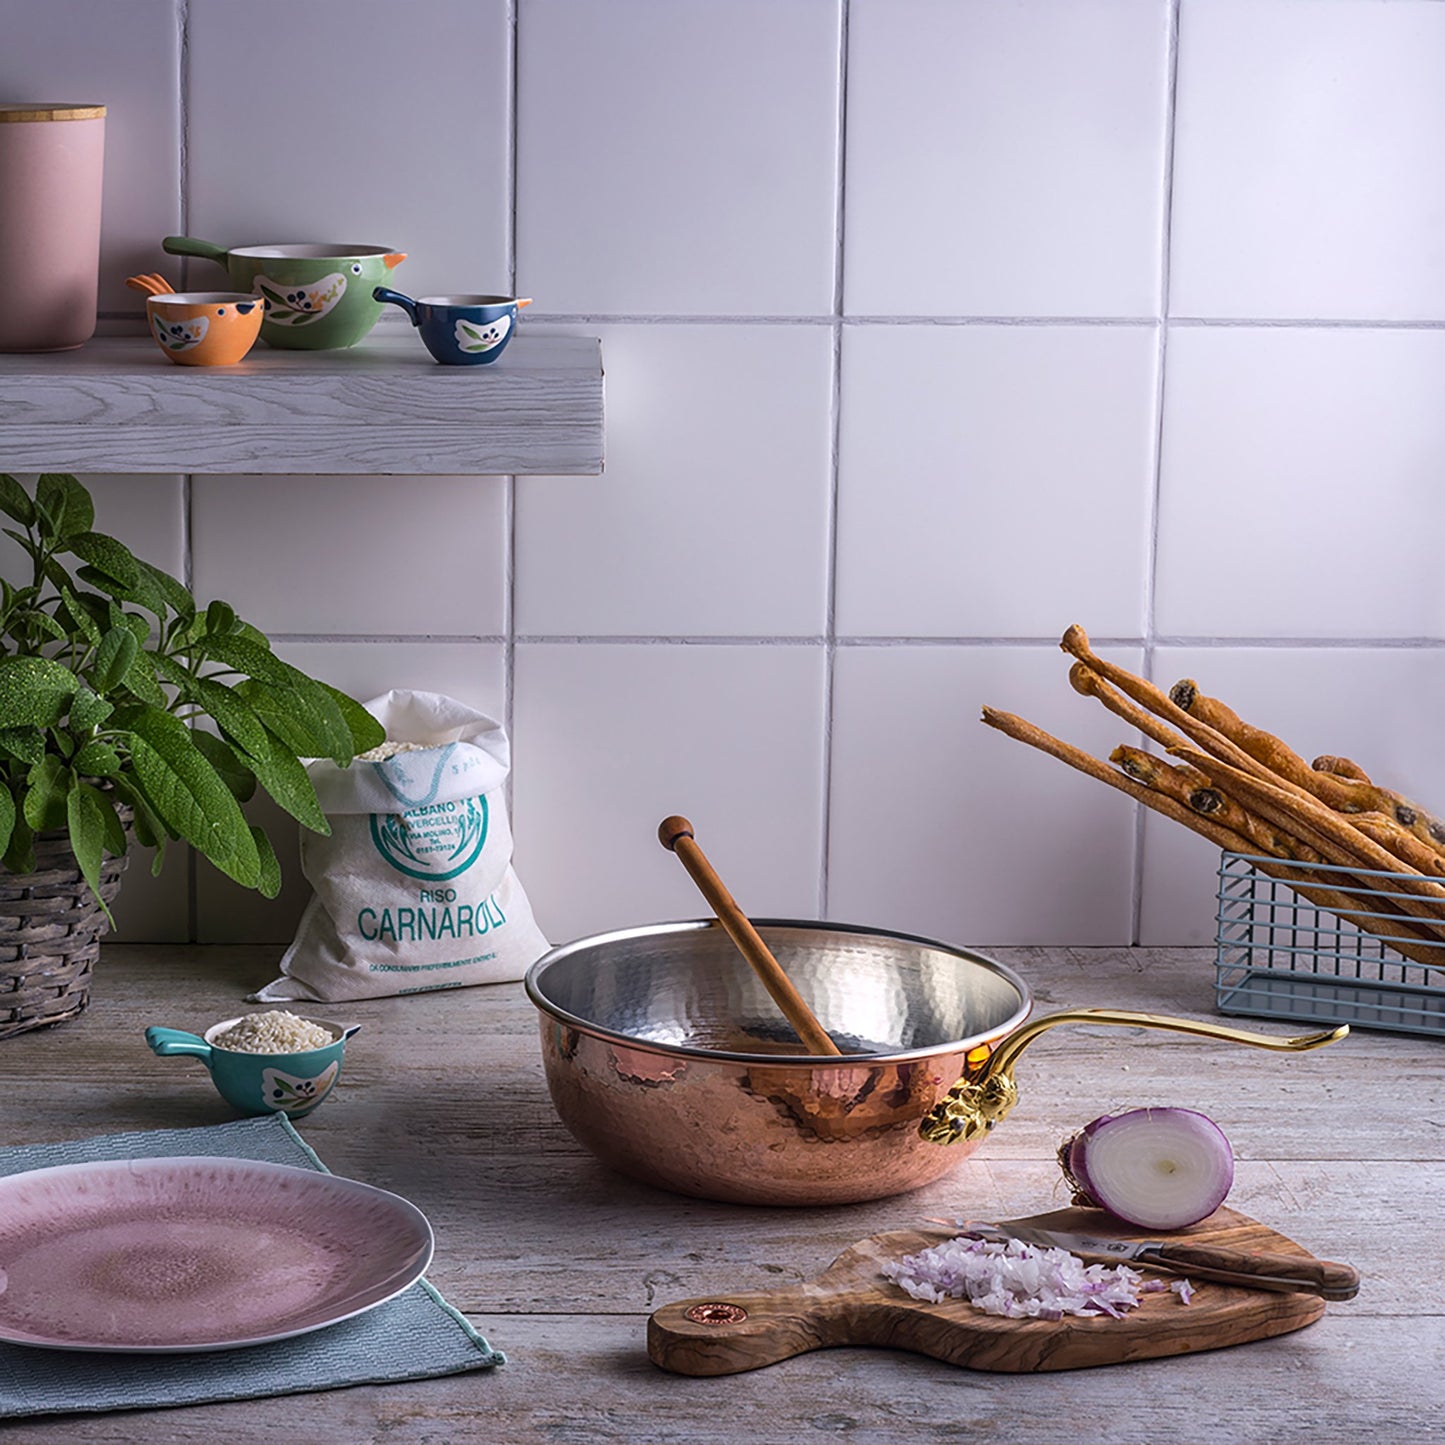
(667, 1059)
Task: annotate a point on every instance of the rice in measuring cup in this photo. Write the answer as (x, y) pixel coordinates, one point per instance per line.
(276, 1032)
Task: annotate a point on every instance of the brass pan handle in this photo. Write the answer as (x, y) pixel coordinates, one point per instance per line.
(984, 1096)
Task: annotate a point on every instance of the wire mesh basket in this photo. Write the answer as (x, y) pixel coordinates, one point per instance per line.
(1279, 956)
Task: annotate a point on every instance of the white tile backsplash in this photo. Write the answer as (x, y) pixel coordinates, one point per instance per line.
(1379, 706)
(1006, 160)
(690, 532)
(1307, 179)
(678, 159)
(993, 479)
(1301, 490)
(612, 739)
(880, 287)
(357, 121)
(354, 556)
(126, 58)
(943, 826)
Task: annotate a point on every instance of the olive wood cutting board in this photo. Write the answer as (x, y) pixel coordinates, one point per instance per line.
(851, 1303)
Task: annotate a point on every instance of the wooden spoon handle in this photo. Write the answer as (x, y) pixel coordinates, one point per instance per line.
(675, 835)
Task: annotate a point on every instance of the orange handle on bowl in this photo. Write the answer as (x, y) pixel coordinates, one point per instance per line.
(153, 284)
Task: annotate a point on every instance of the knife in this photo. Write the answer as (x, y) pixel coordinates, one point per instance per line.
(1288, 1273)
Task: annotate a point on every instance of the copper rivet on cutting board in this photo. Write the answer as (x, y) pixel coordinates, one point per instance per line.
(716, 1313)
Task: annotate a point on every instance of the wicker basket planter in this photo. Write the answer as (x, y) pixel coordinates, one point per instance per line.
(50, 931)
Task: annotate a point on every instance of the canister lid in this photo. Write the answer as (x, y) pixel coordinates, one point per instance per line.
(21, 111)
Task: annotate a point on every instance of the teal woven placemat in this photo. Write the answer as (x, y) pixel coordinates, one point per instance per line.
(412, 1337)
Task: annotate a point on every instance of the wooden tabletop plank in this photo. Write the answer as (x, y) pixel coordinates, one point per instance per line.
(559, 1261)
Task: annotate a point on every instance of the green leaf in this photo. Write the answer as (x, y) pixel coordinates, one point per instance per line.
(149, 830)
(138, 627)
(220, 616)
(234, 771)
(65, 502)
(113, 658)
(88, 710)
(15, 501)
(86, 811)
(243, 655)
(117, 842)
(366, 732)
(252, 634)
(270, 884)
(187, 792)
(282, 775)
(27, 745)
(80, 618)
(48, 784)
(7, 817)
(141, 679)
(97, 759)
(34, 691)
(45, 626)
(223, 704)
(112, 557)
(174, 592)
(140, 591)
(20, 855)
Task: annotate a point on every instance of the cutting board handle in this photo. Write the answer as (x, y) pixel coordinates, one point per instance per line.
(727, 1334)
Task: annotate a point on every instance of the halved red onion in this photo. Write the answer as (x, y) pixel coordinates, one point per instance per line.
(1154, 1168)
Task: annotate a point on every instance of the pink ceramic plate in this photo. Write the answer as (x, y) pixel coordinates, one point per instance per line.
(161, 1255)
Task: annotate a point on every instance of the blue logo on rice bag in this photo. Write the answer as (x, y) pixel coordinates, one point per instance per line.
(433, 843)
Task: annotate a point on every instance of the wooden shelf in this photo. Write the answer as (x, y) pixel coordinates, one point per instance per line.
(383, 407)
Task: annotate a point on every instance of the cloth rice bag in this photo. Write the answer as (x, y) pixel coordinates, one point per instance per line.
(414, 889)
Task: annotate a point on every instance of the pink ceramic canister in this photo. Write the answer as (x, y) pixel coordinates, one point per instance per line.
(50, 182)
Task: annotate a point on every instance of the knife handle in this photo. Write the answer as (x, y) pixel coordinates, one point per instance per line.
(1286, 1272)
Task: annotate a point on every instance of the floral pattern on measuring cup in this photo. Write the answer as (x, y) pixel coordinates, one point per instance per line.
(472, 336)
(301, 305)
(180, 335)
(286, 1092)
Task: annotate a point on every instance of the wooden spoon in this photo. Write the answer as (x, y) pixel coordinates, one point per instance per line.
(675, 834)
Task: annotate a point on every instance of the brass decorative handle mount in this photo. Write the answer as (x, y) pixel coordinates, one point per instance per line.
(979, 1100)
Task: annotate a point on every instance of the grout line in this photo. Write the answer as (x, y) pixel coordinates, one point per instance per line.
(1151, 569)
(188, 572)
(188, 562)
(509, 494)
(1210, 643)
(835, 420)
(1317, 323)
(183, 17)
(513, 87)
(1234, 323)
(628, 318)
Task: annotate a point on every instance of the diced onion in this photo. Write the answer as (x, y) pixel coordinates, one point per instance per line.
(1153, 1168)
(1020, 1281)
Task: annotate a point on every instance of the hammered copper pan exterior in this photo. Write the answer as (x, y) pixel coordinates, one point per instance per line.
(667, 1059)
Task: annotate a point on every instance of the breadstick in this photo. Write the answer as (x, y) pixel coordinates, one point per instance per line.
(1333, 837)
(1084, 680)
(1076, 642)
(1316, 892)
(1183, 784)
(1400, 841)
(1264, 747)
(1346, 788)
(1178, 782)
(1026, 732)
(1340, 767)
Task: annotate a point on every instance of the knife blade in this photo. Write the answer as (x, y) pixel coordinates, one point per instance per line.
(1287, 1273)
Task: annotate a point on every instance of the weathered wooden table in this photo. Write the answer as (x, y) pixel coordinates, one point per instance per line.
(559, 1262)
